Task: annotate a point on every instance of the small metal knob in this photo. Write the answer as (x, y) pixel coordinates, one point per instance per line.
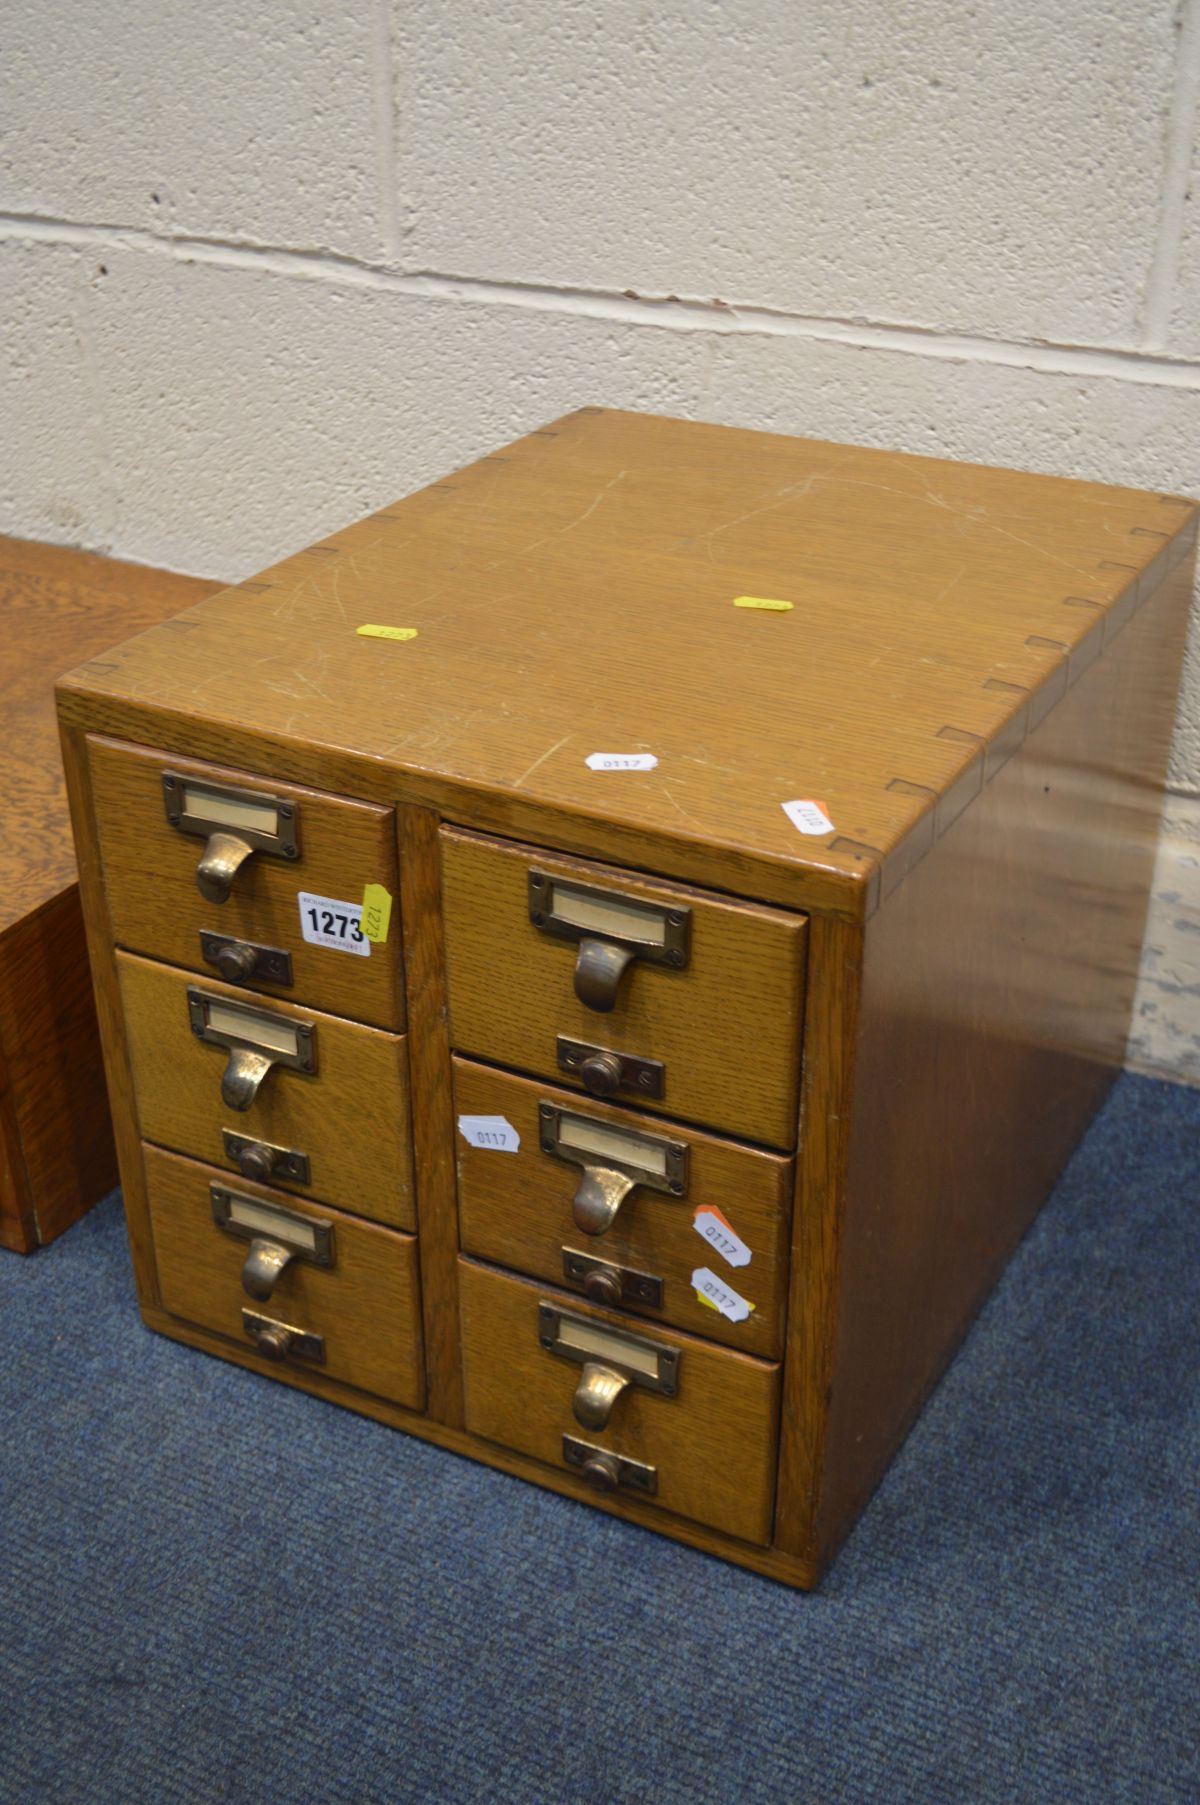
(274, 1341)
(602, 1286)
(224, 856)
(601, 1074)
(257, 1161)
(602, 1472)
(236, 961)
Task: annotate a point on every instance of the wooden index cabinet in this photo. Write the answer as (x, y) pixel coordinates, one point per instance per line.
(767, 827)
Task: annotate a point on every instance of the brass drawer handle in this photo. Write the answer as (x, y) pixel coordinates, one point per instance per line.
(599, 1195)
(263, 1265)
(596, 1393)
(243, 1076)
(599, 967)
(220, 862)
(277, 1237)
(256, 1040)
(612, 931)
(614, 1161)
(234, 824)
(612, 1361)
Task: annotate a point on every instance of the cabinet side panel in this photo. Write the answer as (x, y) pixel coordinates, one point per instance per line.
(18, 1226)
(53, 1058)
(997, 990)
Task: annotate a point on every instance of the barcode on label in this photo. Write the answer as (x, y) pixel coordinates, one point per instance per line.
(327, 922)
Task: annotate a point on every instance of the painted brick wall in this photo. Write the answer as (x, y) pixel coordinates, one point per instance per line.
(267, 265)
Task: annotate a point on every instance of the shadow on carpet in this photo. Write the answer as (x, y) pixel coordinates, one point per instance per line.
(216, 1589)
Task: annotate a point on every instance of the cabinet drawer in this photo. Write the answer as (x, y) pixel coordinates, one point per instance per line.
(156, 907)
(704, 1449)
(711, 1004)
(348, 1291)
(525, 1209)
(347, 1118)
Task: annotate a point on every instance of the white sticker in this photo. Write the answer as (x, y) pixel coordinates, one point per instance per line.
(495, 1134)
(620, 761)
(325, 922)
(809, 816)
(713, 1228)
(721, 1296)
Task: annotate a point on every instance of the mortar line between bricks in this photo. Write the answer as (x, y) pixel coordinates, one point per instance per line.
(384, 104)
(669, 313)
(1184, 110)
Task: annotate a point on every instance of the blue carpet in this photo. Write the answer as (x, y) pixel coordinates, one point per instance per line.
(215, 1589)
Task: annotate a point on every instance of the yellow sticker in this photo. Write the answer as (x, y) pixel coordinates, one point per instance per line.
(395, 632)
(762, 602)
(376, 913)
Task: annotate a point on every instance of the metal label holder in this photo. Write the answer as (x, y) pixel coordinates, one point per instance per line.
(256, 1040)
(612, 1361)
(611, 929)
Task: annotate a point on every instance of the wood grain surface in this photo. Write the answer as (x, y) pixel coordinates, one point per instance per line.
(975, 682)
(830, 1052)
(150, 874)
(432, 1107)
(57, 607)
(514, 1210)
(575, 594)
(996, 995)
(713, 1444)
(52, 1089)
(114, 1041)
(350, 1117)
(57, 1157)
(785, 1568)
(727, 1028)
(366, 1306)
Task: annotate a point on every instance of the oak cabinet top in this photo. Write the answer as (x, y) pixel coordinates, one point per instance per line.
(576, 594)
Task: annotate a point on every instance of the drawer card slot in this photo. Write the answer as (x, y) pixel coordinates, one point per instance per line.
(612, 931)
(256, 1040)
(612, 1360)
(614, 1161)
(235, 823)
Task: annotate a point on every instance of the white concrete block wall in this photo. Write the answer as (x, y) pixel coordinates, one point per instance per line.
(268, 265)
